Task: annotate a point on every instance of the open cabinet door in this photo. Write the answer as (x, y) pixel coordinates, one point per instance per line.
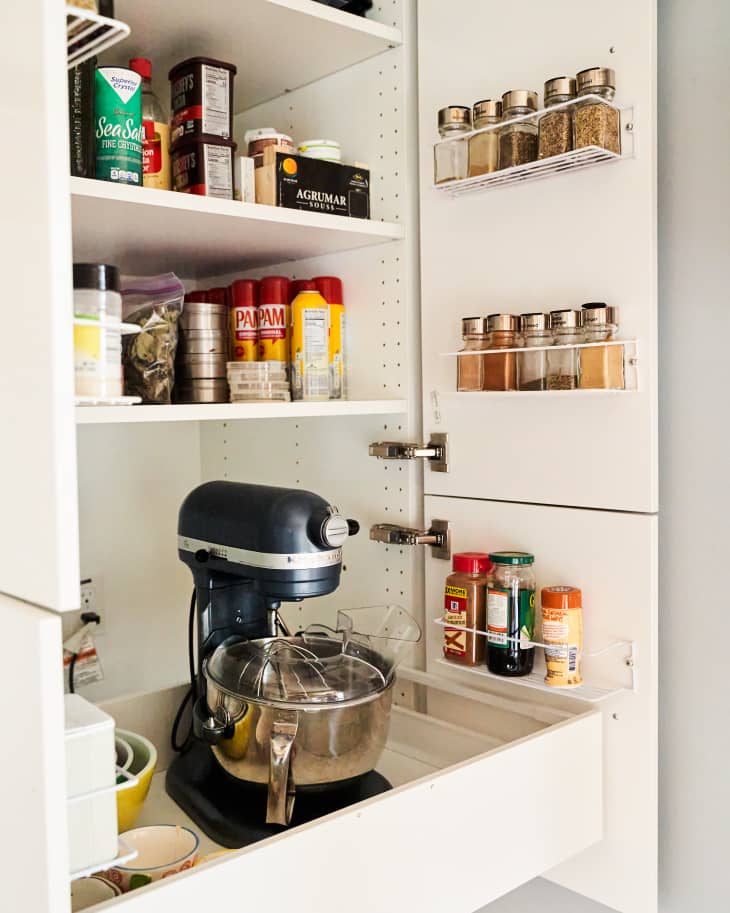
(39, 532)
(568, 474)
(33, 839)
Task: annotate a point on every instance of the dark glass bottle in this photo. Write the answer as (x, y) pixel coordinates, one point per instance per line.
(511, 614)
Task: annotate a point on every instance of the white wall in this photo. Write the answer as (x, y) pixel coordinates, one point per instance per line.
(694, 321)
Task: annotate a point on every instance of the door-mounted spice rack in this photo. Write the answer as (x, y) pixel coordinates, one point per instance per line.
(536, 679)
(565, 162)
(600, 381)
(88, 34)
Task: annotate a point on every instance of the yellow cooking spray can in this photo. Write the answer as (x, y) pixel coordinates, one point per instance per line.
(310, 322)
(330, 288)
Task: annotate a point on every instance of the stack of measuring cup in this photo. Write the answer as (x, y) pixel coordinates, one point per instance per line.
(258, 381)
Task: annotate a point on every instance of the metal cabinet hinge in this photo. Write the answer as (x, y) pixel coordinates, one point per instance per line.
(435, 451)
(438, 536)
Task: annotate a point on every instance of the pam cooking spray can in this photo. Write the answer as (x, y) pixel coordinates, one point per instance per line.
(118, 123)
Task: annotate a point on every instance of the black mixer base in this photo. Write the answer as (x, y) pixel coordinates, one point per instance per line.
(232, 813)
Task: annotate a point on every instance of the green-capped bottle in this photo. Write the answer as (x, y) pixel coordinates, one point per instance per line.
(118, 124)
(511, 614)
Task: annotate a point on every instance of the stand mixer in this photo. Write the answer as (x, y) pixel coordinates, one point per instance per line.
(251, 547)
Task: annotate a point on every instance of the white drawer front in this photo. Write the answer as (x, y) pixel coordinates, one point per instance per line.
(451, 840)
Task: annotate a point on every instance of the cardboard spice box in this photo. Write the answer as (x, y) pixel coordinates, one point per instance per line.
(296, 182)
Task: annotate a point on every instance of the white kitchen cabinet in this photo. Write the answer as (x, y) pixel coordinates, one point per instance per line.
(572, 478)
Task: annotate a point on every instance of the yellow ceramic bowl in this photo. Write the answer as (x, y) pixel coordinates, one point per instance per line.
(144, 761)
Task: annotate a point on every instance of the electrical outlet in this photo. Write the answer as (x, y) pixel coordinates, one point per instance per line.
(91, 602)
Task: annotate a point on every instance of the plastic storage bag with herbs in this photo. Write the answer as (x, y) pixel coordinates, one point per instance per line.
(154, 303)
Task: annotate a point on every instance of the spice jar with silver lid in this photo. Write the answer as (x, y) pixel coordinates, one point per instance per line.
(500, 370)
(484, 147)
(532, 366)
(597, 123)
(451, 156)
(518, 142)
(556, 127)
(562, 363)
(601, 367)
(470, 368)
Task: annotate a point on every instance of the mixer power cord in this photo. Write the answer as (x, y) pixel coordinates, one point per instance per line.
(192, 692)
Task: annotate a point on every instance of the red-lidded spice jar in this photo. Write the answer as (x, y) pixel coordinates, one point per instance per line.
(465, 606)
(244, 319)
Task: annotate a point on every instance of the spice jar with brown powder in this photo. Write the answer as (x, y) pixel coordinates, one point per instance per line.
(597, 123)
(465, 606)
(500, 369)
(601, 367)
(562, 363)
(470, 368)
(556, 127)
(518, 142)
(484, 147)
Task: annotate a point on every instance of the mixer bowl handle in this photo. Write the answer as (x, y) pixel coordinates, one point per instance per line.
(280, 802)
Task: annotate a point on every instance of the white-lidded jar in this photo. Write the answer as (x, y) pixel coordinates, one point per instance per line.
(97, 330)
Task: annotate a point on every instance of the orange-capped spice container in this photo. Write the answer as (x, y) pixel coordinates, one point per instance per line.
(562, 633)
(273, 314)
(465, 606)
(244, 320)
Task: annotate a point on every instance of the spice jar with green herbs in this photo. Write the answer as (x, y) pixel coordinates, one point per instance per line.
(518, 142)
(596, 122)
(556, 127)
(562, 363)
(484, 147)
(451, 156)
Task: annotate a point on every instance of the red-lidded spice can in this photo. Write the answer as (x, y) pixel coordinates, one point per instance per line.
(273, 319)
(244, 319)
(465, 606)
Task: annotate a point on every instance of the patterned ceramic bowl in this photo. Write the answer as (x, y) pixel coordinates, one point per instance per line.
(164, 850)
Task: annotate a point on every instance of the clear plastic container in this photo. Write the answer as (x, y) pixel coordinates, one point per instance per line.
(97, 330)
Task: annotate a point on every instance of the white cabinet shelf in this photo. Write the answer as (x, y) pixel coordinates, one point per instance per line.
(110, 415)
(433, 764)
(277, 45)
(142, 230)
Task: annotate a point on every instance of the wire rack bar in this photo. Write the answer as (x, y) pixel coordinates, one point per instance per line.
(586, 691)
(88, 34)
(577, 160)
(533, 117)
(528, 349)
